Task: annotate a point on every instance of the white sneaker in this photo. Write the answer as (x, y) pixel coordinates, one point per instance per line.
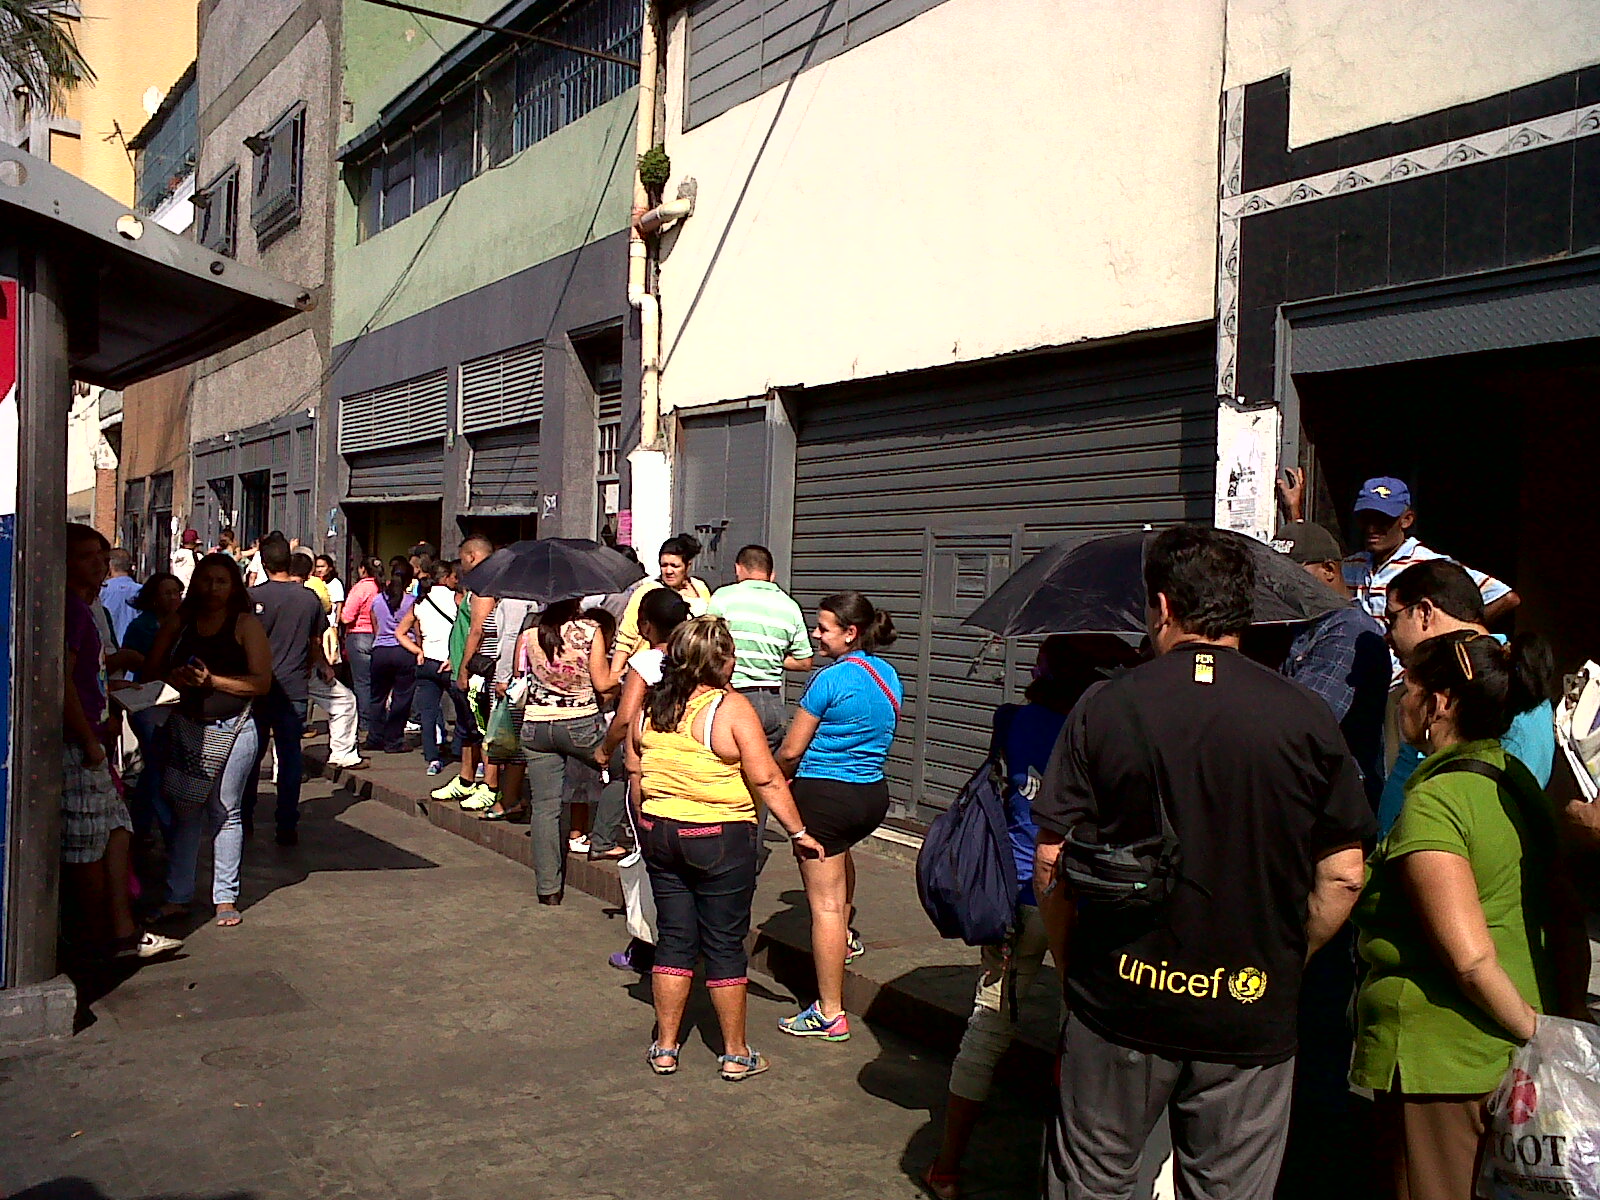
(149, 945)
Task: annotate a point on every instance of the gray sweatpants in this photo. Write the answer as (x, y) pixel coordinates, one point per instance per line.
(1229, 1124)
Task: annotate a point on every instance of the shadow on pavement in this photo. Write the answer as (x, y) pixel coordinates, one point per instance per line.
(326, 844)
(73, 1188)
(1004, 1157)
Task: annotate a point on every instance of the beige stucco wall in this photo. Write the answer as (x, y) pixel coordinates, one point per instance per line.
(993, 176)
(1357, 63)
(303, 74)
(239, 390)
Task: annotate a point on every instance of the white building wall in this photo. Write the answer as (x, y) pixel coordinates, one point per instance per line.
(992, 176)
(1354, 64)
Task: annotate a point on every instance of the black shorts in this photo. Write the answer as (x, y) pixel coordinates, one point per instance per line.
(840, 814)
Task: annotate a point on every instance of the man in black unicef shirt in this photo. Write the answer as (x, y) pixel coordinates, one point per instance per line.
(1191, 1007)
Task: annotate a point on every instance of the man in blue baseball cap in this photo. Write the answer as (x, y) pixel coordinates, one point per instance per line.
(1384, 518)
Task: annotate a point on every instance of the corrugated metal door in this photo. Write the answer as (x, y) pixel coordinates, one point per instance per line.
(414, 472)
(721, 483)
(505, 470)
(927, 494)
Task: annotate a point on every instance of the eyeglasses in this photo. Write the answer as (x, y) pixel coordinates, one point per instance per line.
(1391, 616)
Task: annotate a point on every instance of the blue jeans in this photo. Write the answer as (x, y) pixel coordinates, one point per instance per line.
(283, 719)
(358, 649)
(433, 685)
(146, 803)
(223, 814)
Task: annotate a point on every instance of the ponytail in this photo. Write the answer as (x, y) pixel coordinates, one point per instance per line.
(1489, 683)
(874, 627)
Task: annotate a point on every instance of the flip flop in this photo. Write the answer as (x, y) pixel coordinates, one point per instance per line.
(489, 814)
(229, 917)
(754, 1064)
(656, 1052)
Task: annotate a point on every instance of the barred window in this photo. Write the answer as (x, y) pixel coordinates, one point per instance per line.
(519, 98)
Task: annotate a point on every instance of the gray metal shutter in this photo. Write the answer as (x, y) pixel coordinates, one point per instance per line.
(413, 472)
(503, 389)
(926, 495)
(739, 48)
(721, 478)
(505, 470)
(412, 410)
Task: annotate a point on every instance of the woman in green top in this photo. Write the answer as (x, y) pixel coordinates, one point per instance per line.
(1465, 922)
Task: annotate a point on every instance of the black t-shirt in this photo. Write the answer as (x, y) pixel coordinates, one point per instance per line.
(1259, 784)
(292, 615)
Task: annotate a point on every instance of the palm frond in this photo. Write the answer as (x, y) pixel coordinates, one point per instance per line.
(39, 52)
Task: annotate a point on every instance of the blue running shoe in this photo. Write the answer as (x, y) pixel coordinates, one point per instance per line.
(811, 1023)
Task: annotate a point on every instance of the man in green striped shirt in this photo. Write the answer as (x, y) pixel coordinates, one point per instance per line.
(769, 636)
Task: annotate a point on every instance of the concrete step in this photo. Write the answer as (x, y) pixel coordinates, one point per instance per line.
(910, 980)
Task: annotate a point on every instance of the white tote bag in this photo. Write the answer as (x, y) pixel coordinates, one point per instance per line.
(637, 897)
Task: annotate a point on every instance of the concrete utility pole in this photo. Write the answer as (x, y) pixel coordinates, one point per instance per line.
(93, 292)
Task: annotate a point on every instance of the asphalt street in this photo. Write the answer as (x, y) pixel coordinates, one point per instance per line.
(397, 1018)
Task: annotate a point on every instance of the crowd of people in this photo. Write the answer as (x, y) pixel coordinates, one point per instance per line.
(1349, 872)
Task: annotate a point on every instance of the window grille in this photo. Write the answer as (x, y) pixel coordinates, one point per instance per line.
(503, 389)
(412, 410)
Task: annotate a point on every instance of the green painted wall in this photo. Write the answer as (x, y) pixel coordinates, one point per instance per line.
(561, 193)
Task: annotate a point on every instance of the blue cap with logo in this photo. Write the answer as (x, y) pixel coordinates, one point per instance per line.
(1385, 494)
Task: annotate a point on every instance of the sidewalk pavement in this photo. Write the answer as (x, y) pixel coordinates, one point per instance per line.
(910, 980)
(396, 1018)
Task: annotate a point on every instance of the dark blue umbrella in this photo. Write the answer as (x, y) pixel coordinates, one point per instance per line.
(1098, 587)
(551, 569)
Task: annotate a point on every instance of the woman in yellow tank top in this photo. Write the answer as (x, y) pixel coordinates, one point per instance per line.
(698, 759)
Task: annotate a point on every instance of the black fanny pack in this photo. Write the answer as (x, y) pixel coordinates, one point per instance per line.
(1133, 877)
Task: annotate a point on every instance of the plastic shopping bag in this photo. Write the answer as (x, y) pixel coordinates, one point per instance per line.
(502, 740)
(637, 898)
(1544, 1119)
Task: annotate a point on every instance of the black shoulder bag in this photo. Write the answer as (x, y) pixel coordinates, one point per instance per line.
(1133, 877)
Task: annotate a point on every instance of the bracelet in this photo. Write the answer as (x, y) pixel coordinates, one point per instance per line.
(798, 834)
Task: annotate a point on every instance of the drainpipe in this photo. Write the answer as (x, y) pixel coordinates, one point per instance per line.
(649, 472)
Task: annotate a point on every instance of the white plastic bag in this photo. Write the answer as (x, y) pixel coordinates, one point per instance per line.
(1544, 1119)
(637, 897)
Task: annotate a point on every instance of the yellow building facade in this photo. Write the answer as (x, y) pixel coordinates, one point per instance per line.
(133, 46)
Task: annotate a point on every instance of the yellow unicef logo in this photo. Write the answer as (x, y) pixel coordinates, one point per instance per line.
(1248, 986)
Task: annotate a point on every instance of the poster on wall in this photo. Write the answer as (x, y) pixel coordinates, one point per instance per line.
(10, 352)
(1247, 465)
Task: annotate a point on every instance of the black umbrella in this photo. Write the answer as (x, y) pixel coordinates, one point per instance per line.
(551, 569)
(1098, 587)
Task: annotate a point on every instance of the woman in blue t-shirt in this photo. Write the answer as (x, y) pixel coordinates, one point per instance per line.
(834, 752)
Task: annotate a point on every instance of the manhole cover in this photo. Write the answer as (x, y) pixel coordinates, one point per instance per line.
(245, 1058)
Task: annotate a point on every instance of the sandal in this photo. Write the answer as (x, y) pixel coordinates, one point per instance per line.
(656, 1052)
(943, 1185)
(753, 1064)
(505, 814)
(227, 918)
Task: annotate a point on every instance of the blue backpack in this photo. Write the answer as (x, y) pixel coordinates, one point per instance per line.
(966, 875)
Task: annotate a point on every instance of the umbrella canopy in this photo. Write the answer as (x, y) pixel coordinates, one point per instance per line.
(551, 569)
(1098, 587)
